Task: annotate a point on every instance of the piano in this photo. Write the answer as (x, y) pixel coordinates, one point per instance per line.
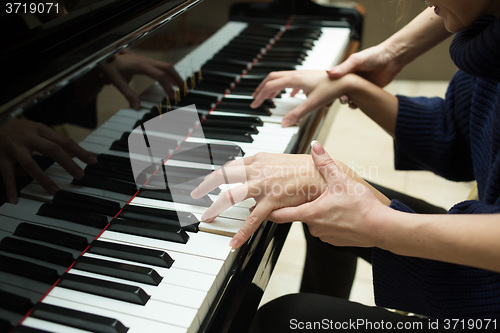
(106, 255)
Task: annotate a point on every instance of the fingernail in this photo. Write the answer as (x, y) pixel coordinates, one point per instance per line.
(343, 99)
(317, 148)
(286, 123)
(234, 243)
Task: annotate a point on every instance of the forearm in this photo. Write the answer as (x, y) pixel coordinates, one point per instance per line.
(471, 240)
(417, 37)
(375, 102)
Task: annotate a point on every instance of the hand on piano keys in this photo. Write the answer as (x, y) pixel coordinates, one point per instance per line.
(287, 188)
(273, 180)
(316, 84)
(20, 137)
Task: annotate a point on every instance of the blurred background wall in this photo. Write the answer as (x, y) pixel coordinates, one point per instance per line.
(380, 23)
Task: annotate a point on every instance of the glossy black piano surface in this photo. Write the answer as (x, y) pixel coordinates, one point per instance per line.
(54, 65)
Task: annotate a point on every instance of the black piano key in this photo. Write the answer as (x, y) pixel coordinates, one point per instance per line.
(118, 291)
(242, 121)
(51, 236)
(132, 253)
(185, 220)
(71, 214)
(108, 184)
(14, 303)
(128, 272)
(36, 251)
(175, 195)
(21, 283)
(235, 135)
(12, 318)
(28, 270)
(78, 319)
(5, 325)
(226, 107)
(82, 201)
(24, 291)
(150, 230)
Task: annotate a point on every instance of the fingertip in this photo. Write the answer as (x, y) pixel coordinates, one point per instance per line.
(317, 148)
(234, 243)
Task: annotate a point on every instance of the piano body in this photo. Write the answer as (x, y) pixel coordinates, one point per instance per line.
(103, 255)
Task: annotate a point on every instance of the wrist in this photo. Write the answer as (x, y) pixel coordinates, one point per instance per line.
(384, 226)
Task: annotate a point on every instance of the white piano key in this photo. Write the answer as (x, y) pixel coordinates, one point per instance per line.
(173, 275)
(237, 213)
(137, 322)
(50, 327)
(200, 244)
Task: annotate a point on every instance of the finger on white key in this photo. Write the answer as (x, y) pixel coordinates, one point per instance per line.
(233, 172)
(226, 200)
(252, 223)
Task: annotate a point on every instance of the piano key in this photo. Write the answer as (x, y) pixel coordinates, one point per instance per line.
(53, 236)
(180, 196)
(148, 229)
(78, 319)
(78, 200)
(132, 253)
(185, 220)
(41, 326)
(106, 289)
(9, 318)
(71, 214)
(186, 296)
(28, 213)
(36, 251)
(124, 271)
(14, 303)
(108, 184)
(23, 291)
(27, 270)
(31, 285)
(173, 275)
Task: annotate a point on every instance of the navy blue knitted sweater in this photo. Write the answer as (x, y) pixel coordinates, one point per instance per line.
(458, 138)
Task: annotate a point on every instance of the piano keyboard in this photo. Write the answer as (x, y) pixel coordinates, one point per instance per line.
(100, 256)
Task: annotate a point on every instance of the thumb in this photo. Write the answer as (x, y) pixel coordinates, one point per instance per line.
(290, 214)
(342, 69)
(325, 164)
(294, 115)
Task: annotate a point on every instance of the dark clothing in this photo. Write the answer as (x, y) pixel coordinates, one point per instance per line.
(459, 139)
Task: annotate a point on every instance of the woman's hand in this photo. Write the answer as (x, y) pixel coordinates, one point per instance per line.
(273, 180)
(319, 88)
(275, 82)
(20, 137)
(342, 214)
(125, 65)
(376, 64)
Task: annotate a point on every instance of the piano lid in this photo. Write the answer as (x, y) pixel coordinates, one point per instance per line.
(43, 50)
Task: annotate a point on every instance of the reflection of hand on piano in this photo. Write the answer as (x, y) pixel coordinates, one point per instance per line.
(20, 137)
(273, 180)
(120, 70)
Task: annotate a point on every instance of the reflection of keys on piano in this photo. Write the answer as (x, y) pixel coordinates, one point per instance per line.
(145, 274)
